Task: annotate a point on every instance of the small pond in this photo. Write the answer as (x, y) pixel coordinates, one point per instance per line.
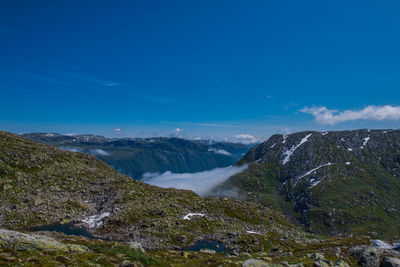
(68, 229)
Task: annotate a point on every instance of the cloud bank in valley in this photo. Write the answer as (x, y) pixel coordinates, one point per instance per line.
(100, 152)
(219, 151)
(323, 115)
(199, 182)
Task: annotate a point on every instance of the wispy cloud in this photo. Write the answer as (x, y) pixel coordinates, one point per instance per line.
(199, 182)
(246, 139)
(99, 151)
(219, 151)
(68, 78)
(327, 116)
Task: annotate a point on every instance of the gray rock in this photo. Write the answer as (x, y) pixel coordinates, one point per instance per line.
(369, 257)
(208, 251)
(21, 241)
(390, 262)
(341, 263)
(316, 256)
(135, 245)
(381, 244)
(320, 263)
(255, 263)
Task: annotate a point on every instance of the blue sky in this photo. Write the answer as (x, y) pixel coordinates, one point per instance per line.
(210, 68)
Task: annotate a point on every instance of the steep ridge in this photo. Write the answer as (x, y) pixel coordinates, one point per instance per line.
(43, 185)
(135, 156)
(332, 182)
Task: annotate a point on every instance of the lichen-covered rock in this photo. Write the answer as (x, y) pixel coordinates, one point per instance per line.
(21, 241)
(390, 262)
(369, 257)
(136, 246)
(255, 263)
(341, 263)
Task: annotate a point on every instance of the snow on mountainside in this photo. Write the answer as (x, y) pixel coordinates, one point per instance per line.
(332, 182)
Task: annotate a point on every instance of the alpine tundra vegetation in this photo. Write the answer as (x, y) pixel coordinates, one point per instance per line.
(129, 221)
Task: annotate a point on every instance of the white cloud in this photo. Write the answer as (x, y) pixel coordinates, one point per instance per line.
(100, 152)
(246, 139)
(219, 151)
(331, 117)
(176, 132)
(199, 182)
(117, 130)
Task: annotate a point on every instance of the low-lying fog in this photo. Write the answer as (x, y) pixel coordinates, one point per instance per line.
(199, 182)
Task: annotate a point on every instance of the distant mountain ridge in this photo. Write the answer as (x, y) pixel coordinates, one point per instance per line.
(331, 182)
(136, 156)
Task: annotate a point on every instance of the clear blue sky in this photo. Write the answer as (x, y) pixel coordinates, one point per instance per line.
(210, 68)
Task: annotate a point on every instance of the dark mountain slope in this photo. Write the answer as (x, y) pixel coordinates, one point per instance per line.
(134, 157)
(332, 182)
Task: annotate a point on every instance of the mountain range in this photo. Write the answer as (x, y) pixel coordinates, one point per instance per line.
(136, 156)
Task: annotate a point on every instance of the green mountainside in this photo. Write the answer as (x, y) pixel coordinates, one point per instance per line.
(134, 157)
(43, 185)
(333, 182)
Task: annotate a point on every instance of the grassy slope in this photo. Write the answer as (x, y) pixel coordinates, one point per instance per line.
(361, 198)
(44, 185)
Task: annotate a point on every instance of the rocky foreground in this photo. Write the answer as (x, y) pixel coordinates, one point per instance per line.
(55, 249)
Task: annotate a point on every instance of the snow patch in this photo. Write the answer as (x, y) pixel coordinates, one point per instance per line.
(273, 145)
(253, 232)
(192, 214)
(310, 172)
(288, 153)
(366, 139)
(350, 149)
(348, 163)
(324, 133)
(314, 182)
(96, 220)
(284, 138)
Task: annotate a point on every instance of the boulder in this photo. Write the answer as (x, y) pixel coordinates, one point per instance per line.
(135, 245)
(369, 257)
(21, 241)
(255, 263)
(341, 263)
(390, 262)
(381, 244)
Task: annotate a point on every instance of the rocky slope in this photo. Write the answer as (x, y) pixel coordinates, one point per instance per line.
(43, 185)
(55, 249)
(134, 157)
(331, 182)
